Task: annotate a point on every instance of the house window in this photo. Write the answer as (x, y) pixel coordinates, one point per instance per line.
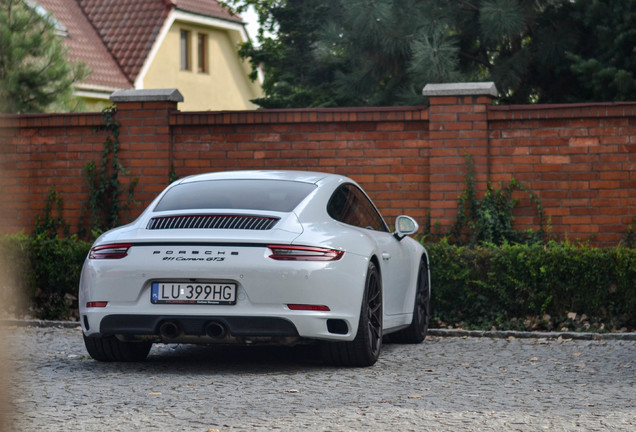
(202, 50)
(186, 63)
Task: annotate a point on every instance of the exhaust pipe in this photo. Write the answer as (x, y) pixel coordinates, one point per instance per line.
(170, 330)
(215, 330)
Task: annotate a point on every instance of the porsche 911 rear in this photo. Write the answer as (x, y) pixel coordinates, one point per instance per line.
(209, 292)
(255, 256)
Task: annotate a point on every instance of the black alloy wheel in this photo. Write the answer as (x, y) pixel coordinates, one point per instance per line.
(365, 349)
(416, 332)
(374, 313)
(111, 349)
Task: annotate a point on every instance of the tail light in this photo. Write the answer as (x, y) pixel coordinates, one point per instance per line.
(112, 251)
(303, 253)
(306, 307)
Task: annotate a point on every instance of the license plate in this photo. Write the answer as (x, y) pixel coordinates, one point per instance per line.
(193, 293)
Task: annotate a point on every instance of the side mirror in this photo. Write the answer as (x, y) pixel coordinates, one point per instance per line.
(405, 225)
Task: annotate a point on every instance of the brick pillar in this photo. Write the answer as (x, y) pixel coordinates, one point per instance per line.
(146, 139)
(458, 126)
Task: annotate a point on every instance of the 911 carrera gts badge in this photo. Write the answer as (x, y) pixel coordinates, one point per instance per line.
(193, 255)
(217, 259)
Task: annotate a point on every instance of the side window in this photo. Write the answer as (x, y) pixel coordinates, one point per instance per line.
(184, 46)
(349, 205)
(202, 53)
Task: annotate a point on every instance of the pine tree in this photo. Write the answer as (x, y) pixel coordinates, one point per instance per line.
(34, 73)
(383, 52)
(603, 62)
(293, 76)
(387, 49)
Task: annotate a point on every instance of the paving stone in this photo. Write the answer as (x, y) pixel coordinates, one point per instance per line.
(446, 383)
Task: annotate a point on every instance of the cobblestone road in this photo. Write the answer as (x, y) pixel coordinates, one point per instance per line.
(445, 384)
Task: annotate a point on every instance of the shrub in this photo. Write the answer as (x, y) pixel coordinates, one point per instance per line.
(510, 286)
(56, 265)
(41, 273)
(489, 218)
(14, 273)
(489, 285)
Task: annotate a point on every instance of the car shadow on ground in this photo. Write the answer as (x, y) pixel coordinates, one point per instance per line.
(230, 359)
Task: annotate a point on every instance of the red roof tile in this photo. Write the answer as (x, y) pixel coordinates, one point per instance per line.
(85, 45)
(128, 28)
(208, 8)
(114, 37)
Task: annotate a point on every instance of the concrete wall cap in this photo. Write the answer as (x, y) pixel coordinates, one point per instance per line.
(461, 89)
(147, 95)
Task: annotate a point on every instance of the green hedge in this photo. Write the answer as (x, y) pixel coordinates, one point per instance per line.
(509, 286)
(40, 275)
(14, 270)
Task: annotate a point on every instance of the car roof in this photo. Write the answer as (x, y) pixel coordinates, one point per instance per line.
(287, 175)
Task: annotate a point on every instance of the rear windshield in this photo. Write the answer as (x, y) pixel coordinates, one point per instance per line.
(271, 195)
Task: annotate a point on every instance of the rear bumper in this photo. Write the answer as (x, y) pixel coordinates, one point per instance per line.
(235, 326)
(205, 329)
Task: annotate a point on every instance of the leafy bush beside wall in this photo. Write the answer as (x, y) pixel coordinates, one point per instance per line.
(56, 265)
(502, 286)
(508, 286)
(15, 267)
(40, 274)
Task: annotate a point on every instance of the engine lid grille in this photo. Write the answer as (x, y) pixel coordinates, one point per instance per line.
(243, 222)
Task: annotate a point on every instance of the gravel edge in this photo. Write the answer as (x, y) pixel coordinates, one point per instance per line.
(9, 322)
(507, 334)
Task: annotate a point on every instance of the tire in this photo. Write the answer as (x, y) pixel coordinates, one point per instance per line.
(416, 332)
(111, 349)
(364, 350)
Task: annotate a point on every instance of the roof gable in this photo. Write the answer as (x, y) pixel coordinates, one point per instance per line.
(127, 28)
(84, 44)
(207, 8)
(118, 39)
(130, 28)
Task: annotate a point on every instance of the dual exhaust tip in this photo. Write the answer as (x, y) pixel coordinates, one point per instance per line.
(173, 330)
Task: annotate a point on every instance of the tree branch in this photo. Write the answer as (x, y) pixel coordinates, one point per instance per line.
(476, 60)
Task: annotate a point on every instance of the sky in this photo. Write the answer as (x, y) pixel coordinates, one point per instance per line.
(251, 23)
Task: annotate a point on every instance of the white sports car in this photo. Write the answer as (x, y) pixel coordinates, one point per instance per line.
(256, 257)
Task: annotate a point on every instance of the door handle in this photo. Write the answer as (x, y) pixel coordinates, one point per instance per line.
(386, 256)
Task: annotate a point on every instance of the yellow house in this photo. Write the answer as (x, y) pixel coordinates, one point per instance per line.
(191, 45)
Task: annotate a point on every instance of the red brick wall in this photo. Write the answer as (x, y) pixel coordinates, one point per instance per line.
(146, 142)
(385, 150)
(40, 151)
(458, 127)
(579, 159)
